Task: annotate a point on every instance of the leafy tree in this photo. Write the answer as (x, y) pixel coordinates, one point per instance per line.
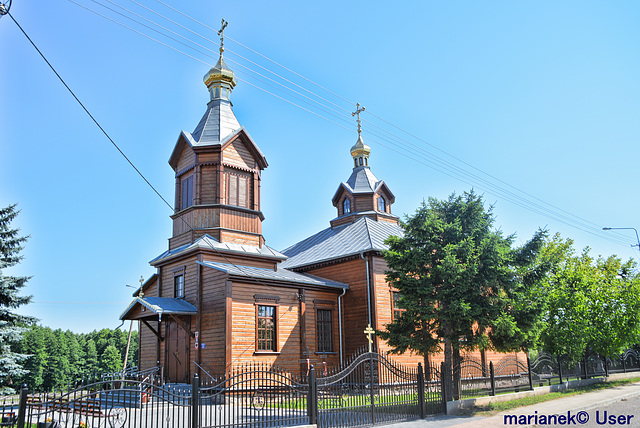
(594, 304)
(110, 360)
(12, 325)
(460, 280)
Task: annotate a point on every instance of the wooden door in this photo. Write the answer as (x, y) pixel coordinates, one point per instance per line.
(177, 348)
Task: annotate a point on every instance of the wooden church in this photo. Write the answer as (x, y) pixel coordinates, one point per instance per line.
(221, 297)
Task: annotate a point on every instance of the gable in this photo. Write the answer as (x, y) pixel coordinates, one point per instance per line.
(383, 189)
(337, 197)
(237, 153)
(179, 160)
(240, 150)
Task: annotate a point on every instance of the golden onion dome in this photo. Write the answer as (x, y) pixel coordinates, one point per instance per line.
(220, 74)
(360, 148)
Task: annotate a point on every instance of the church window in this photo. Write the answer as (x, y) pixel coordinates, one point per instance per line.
(381, 204)
(324, 330)
(238, 190)
(186, 192)
(366, 161)
(266, 328)
(355, 162)
(360, 161)
(178, 286)
(346, 206)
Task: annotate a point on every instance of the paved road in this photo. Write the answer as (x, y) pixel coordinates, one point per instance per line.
(583, 410)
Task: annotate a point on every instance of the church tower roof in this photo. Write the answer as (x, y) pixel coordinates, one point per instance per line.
(219, 122)
(362, 195)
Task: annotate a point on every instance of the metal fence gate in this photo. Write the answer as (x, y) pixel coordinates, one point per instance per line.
(253, 395)
(373, 390)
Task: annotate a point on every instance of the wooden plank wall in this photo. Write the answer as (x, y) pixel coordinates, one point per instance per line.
(237, 154)
(187, 158)
(363, 203)
(355, 319)
(212, 333)
(208, 185)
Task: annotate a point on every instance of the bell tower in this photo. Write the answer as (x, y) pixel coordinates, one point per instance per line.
(217, 171)
(362, 194)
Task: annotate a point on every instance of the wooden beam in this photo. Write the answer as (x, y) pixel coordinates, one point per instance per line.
(183, 325)
(153, 330)
(228, 333)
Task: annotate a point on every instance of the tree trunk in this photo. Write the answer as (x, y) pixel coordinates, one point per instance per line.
(457, 373)
(448, 364)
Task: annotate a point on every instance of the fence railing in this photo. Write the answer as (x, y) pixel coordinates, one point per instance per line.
(369, 389)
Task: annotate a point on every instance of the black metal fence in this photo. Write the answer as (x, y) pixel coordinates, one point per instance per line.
(369, 389)
(548, 370)
(471, 378)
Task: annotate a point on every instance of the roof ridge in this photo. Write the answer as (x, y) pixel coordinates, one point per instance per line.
(366, 224)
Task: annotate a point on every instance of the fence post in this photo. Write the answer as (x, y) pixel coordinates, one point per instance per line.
(624, 362)
(421, 402)
(529, 370)
(312, 397)
(195, 401)
(22, 407)
(371, 390)
(443, 386)
(560, 369)
(492, 379)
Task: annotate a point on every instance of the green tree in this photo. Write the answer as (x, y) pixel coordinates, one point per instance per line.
(91, 361)
(32, 344)
(594, 304)
(12, 325)
(110, 360)
(460, 280)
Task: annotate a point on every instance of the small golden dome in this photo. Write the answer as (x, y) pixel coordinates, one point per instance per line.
(360, 148)
(220, 74)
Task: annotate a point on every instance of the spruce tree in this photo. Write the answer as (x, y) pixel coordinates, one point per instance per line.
(12, 325)
(460, 280)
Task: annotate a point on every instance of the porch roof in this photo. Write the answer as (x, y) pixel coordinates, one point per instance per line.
(157, 306)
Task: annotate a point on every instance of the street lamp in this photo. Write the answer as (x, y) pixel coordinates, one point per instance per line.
(626, 228)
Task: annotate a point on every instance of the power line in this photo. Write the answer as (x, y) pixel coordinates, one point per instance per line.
(540, 207)
(413, 151)
(130, 162)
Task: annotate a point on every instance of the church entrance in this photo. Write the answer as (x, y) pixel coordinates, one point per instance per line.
(177, 351)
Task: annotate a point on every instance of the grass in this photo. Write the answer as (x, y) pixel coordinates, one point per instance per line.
(497, 407)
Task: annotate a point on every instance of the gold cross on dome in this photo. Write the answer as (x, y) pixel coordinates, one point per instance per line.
(357, 112)
(369, 332)
(221, 34)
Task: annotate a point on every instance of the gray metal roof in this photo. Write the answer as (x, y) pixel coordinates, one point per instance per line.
(282, 275)
(209, 242)
(218, 123)
(364, 234)
(362, 180)
(162, 305)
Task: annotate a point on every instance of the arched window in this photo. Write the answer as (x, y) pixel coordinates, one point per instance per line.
(360, 161)
(346, 206)
(381, 204)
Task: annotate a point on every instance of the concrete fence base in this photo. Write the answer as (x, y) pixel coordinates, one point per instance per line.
(459, 407)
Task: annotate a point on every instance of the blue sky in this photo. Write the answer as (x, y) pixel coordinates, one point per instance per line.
(537, 100)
